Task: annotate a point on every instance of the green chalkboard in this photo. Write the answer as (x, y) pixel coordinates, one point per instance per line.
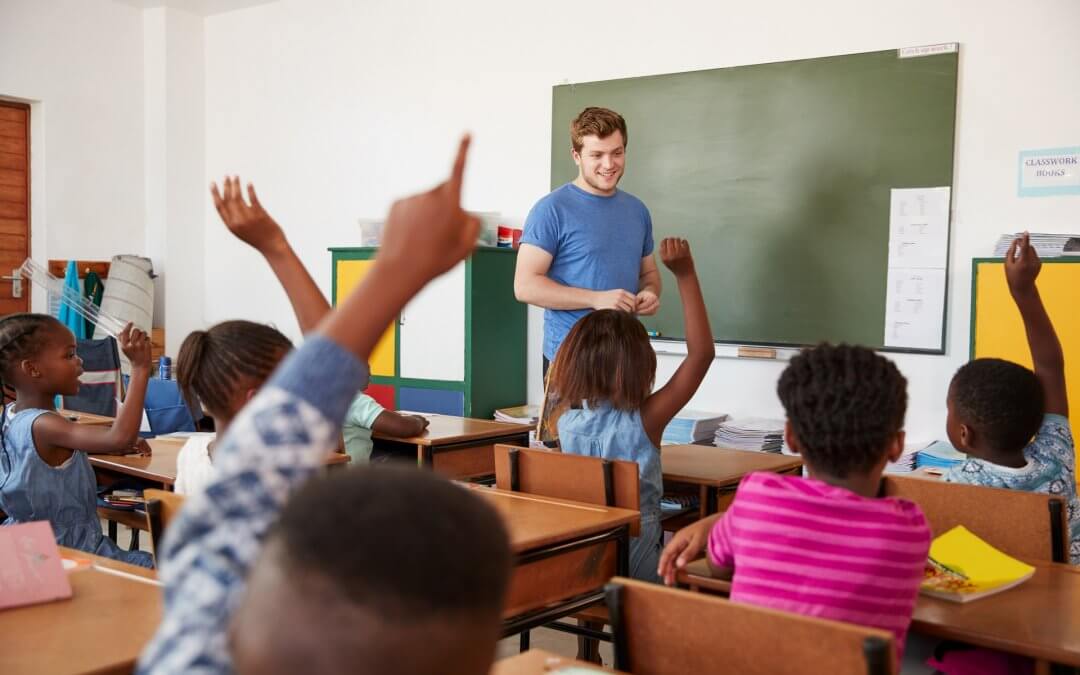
(779, 175)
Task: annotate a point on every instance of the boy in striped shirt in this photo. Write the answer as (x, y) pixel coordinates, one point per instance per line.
(826, 545)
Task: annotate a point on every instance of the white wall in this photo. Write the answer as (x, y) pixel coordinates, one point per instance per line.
(334, 108)
(79, 63)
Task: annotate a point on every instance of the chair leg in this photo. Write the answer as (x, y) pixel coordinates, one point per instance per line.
(589, 648)
(134, 540)
(523, 641)
(113, 530)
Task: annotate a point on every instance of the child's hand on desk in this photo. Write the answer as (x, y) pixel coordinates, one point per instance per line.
(1022, 265)
(135, 345)
(251, 224)
(421, 422)
(675, 254)
(685, 547)
(429, 233)
(141, 448)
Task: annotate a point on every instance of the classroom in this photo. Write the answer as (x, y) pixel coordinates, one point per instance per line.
(811, 237)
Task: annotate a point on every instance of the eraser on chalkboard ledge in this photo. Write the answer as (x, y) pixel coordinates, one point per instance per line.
(757, 353)
(653, 333)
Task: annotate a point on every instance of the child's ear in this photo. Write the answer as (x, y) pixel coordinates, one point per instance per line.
(28, 368)
(790, 439)
(250, 394)
(896, 446)
(966, 436)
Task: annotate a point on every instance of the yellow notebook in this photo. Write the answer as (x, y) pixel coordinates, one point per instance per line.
(963, 567)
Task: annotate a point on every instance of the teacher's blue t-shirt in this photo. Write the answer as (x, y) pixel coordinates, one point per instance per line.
(595, 242)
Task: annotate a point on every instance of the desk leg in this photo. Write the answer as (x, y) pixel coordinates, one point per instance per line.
(423, 456)
(711, 500)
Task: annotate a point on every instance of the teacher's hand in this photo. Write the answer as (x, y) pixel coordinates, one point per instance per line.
(619, 299)
(647, 303)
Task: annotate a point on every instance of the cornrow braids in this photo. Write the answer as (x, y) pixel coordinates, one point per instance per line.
(1002, 401)
(20, 338)
(213, 363)
(844, 403)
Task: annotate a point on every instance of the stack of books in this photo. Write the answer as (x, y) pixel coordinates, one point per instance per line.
(522, 414)
(963, 567)
(908, 459)
(1046, 245)
(751, 433)
(939, 455)
(692, 426)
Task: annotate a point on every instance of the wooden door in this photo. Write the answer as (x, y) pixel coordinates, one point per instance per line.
(14, 203)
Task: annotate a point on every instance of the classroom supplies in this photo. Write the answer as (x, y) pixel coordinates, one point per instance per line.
(908, 460)
(692, 426)
(522, 414)
(963, 567)
(59, 293)
(996, 327)
(821, 143)
(751, 433)
(939, 455)
(1046, 245)
(30, 561)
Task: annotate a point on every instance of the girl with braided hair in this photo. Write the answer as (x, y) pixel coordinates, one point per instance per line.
(44, 470)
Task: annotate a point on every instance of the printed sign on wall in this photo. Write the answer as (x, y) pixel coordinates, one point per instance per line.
(1043, 173)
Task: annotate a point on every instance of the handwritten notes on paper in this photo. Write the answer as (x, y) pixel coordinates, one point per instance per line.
(918, 256)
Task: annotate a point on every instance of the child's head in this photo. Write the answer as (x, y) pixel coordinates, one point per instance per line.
(605, 357)
(376, 570)
(38, 352)
(845, 407)
(995, 407)
(224, 366)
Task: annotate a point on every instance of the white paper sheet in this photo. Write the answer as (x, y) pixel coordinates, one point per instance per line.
(915, 311)
(919, 228)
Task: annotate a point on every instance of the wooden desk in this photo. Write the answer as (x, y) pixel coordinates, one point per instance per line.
(714, 470)
(101, 629)
(458, 447)
(538, 662)
(1040, 618)
(565, 552)
(160, 467)
(87, 418)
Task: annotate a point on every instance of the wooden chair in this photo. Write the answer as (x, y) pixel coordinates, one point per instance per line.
(590, 480)
(661, 631)
(1025, 525)
(161, 508)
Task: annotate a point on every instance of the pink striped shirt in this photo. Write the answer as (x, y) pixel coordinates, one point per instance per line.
(804, 546)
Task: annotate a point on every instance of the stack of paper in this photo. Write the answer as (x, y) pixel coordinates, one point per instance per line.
(963, 567)
(939, 455)
(692, 426)
(751, 433)
(522, 414)
(1046, 245)
(908, 459)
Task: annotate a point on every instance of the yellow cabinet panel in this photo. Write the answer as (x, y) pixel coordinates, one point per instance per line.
(349, 273)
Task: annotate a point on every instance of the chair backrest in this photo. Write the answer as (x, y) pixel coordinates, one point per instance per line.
(166, 409)
(661, 631)
(99, 385)
(1026, 525)
(161, 507)
(550, 473)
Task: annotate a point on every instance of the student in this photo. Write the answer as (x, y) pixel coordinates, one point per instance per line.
(602, 401)
(826, 545)
(1011, 422)
(44, 470)
(224, 366)
(366, 415)
(365, 571)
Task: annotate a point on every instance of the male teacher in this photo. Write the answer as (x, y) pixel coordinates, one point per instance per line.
(588, 245)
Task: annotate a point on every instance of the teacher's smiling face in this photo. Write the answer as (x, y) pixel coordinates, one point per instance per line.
(600, 163)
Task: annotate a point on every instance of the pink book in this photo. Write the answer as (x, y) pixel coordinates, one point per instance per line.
(31, 571)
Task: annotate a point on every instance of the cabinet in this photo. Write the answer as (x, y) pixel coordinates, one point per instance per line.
(458, 347)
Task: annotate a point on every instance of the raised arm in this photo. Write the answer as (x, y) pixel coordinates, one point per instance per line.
(663, 405)
(254, 226)
(122, 437)
(533, 286)
(1022, 266)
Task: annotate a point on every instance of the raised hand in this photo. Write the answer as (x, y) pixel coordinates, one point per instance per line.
(1022, 265)
(135, 345)
(675, 254)
(429, 232)
(249, 222)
